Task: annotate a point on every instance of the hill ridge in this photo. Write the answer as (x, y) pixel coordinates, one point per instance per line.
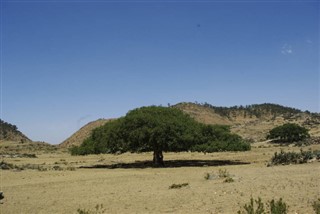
(10, 132)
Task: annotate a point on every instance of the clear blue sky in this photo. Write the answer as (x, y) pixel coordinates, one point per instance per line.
(66, 63)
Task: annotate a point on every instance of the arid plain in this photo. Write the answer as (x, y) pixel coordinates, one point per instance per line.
(55, 182)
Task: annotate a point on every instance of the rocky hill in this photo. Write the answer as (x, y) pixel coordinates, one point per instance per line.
(78, 137)
(9, 132)
(252, 121)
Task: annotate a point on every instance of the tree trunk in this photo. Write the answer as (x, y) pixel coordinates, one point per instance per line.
(158, 159)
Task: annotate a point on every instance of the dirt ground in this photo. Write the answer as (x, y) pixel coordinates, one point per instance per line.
(54, 183)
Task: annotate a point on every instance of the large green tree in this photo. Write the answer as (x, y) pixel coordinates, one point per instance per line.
(158, 129)
(288, 133)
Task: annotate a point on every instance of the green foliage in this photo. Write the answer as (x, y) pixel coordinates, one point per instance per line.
(293, 157)
(275, 207)
(250, 208)
(316, 206)
(218, 138)
(278, 207)
(178, 186)
(222, 146)
(159, 129)
(288, 133)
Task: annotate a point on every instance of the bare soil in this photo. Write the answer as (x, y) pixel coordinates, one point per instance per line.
(55, 183)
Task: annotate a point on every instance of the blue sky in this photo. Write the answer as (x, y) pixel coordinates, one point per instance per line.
(66, 63)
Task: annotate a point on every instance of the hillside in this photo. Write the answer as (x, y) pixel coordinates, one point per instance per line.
(9, 132)
(78, 137)
(253, 121)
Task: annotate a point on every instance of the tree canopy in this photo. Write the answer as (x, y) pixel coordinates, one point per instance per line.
(159, 129)
(288, 133)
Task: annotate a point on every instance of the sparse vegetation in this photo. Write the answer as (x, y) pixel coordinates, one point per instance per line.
(250, 208)
(135, 181)
(228, 180)
(223, 173)
(97, 210)
(294, 157)
(207, 176)
(278, 207)
(257, 207)
(256, 110)
(178, 186)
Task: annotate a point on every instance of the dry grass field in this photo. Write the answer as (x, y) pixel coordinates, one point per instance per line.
(54, 183)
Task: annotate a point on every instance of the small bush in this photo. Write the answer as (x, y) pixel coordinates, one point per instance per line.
(98, 210)
(178, 186)
(207, 176)
(275, 207)
(316, 206)
(228, 180)
(57, 168)
(293, 157)
(83, 211)
(223, 173)
(250, 208)
(278, 207)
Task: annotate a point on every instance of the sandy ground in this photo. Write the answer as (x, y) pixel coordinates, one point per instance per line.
(137, 188)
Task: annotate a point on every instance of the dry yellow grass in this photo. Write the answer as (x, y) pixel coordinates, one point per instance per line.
(146, 190)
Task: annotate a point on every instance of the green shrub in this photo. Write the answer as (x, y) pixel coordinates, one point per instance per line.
(231, 144)
(278, 207)
(293, 157)
(274, 207)
(288, 133)
(250, 208)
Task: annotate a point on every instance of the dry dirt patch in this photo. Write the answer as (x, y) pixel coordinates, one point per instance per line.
(146, 190)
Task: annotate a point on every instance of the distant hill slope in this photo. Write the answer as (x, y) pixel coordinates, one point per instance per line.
(78, 137)
(9, 132)
(252, 121)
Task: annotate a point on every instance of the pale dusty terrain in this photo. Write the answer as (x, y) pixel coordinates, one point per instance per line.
(146, 190)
